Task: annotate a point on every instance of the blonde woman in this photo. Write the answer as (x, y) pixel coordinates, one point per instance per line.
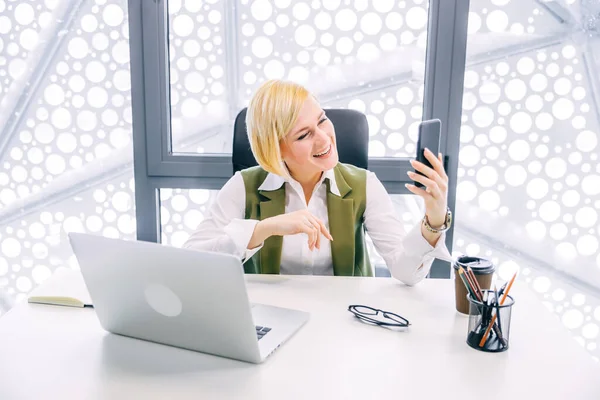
(302, 212)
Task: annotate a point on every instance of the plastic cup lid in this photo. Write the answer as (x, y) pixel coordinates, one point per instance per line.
(477, 264)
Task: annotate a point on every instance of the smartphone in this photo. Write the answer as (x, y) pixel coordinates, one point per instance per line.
(429, 138)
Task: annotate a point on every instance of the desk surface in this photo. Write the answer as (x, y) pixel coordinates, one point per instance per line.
(59, 352)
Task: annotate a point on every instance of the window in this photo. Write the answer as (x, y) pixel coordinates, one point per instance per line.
(199, 63)
(366, 55)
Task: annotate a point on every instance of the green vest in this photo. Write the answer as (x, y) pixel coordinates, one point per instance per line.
(345, 212)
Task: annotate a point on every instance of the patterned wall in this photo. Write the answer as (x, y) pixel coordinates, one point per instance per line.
(36, 245)
(20, 27)
(81, 111)
(78, 120)
(529, 155)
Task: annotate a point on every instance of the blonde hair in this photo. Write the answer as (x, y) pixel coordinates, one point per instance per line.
(272, 113)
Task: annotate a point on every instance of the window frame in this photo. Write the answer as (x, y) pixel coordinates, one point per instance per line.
(156, 166)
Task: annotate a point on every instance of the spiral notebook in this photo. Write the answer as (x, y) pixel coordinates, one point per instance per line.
(65, 287)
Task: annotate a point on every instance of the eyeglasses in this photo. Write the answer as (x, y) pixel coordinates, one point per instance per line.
(369, 314)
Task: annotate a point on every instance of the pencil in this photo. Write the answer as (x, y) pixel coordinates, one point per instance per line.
(476, 295)
(472, 274)
(481, 298)
(461, 273)
(512, 280)
(487, 331)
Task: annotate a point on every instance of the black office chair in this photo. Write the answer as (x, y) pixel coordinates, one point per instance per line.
(351, 131)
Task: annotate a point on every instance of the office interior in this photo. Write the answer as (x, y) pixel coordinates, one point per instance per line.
(86, 84)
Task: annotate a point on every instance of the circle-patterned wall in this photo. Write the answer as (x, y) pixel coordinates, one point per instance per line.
(393, 115)
(77, 120)
(82, 109)
(529, 154)
(20, 25)
(494, 20)
(35, 246)
(181, 211)
(327, 45)
(198, 72)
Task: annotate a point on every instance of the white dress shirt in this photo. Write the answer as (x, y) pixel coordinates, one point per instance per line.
(408, 256)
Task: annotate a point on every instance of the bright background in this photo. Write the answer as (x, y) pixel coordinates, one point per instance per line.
(529, 178)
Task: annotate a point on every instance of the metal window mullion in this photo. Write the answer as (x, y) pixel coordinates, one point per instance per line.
(178, 182)
(232, 57)
(147, 117)
(444, 78)
(390, 171)
(154, 49)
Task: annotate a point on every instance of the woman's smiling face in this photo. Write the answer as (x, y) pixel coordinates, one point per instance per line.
(310, 147)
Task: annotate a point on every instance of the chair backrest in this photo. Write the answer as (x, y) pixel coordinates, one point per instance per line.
(351, 131)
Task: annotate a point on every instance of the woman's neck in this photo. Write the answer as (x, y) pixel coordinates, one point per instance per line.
(308, 182)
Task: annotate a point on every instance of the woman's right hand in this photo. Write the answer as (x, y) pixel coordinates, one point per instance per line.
(301, 221)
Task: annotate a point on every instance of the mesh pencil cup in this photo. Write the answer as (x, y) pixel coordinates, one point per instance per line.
(489, 324)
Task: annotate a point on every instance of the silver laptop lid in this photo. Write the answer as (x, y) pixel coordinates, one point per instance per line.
(186, 298)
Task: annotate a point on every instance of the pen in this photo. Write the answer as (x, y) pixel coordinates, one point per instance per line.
(502, 289)
(501, 338)
(488, 303)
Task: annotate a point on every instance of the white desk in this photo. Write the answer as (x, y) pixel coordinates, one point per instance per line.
(49, 352)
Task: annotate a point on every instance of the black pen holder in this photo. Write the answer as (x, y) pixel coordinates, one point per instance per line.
(489, 324)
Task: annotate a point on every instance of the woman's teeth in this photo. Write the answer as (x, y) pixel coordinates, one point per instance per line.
(324, 153)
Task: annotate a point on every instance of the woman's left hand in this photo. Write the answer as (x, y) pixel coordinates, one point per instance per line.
(435, 193)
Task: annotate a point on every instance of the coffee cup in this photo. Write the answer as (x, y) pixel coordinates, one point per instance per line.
(483, 270)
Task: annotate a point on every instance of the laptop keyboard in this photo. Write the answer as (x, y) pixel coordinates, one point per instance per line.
(262, 331)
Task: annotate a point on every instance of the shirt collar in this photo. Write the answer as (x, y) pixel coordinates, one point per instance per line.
(274, 182)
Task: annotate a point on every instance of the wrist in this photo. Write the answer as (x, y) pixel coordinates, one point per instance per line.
(432, 238)
(266, 228)
(260, 234)
(436, 221)
(435, 225)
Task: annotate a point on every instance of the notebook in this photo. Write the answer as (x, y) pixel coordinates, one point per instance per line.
(65, 287)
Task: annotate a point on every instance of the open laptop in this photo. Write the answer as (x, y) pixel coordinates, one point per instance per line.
(191, 299)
